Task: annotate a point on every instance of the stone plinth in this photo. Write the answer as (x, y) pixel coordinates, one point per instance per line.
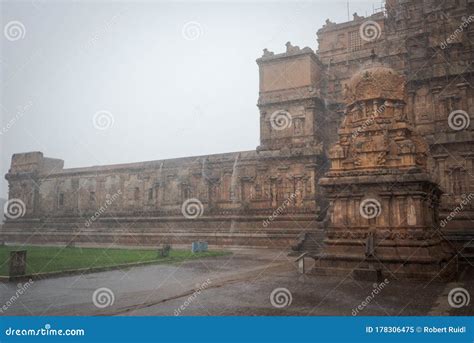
(386, 226)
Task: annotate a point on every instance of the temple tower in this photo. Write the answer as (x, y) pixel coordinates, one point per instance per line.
(290, 103)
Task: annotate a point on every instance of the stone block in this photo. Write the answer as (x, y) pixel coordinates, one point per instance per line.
(368, 274)
(164, 251)
(17, 263)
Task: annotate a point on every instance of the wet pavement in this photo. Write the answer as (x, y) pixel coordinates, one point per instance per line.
(241, 284)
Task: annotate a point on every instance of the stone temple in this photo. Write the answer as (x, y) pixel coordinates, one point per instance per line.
(365, 156)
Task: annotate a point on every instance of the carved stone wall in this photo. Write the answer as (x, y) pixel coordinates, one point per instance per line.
(227, 183)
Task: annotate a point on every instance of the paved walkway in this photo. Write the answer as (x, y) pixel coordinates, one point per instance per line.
(240, 284)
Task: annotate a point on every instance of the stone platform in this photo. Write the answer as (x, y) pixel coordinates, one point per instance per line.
(218, 232)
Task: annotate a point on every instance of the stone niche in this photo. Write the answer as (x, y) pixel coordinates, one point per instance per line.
(383, 203)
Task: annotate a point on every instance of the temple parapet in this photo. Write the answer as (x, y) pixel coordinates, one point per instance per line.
(34, 162)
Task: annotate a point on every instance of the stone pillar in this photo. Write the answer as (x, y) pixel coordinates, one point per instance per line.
(299, 192)
(396, 210)
(470, 167)
(17, 263)
(411, 107)
(412, 211)
(338, 215)
(350, 211)
(440, 162)
(384, 218)
(424, 214)
(263, 127)
(358, 219)
(435, 104)
(464, 99)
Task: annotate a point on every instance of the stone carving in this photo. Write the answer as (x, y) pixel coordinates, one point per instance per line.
(267, 53)
(375, 83)
(328, 22)
(290, 48)
(377, 137)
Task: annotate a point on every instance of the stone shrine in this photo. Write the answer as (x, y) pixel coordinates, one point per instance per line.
(383, 202)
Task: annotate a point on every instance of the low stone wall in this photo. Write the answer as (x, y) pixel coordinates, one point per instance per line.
(218, 232)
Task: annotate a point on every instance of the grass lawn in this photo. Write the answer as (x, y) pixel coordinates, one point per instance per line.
(52, 259)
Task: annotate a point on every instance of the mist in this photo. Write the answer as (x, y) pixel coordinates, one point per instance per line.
(100, 82)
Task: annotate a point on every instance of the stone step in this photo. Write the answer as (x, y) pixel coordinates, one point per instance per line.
(152, 230)
(230, 237)
(467, 253)
(313, 242)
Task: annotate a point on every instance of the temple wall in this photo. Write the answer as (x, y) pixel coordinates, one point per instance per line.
(235, 182)
(432, 45)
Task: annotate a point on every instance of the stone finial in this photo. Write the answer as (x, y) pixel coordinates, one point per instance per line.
(290, 48)
(328, 23)
(267, 53)
(356, 16)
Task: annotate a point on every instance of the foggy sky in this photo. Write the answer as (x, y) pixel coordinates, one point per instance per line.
(175, 78)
